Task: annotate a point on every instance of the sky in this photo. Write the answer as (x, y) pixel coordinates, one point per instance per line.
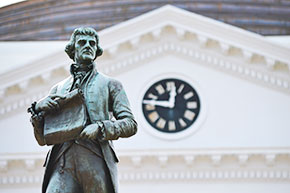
(8, 2)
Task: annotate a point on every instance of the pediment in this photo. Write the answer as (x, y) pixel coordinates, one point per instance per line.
(165, 31)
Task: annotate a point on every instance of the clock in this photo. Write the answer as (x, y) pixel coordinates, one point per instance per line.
(171, 105)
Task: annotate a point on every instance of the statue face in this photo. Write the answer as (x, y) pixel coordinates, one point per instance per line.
(85, 49)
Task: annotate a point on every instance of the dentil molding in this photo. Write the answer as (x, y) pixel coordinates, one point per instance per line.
(267, 165)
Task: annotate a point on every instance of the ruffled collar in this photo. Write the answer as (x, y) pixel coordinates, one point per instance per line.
(76, 68)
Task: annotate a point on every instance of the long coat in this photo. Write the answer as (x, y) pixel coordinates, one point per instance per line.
(104, 97)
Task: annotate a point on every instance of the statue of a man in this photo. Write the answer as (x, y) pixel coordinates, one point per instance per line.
(87, 163)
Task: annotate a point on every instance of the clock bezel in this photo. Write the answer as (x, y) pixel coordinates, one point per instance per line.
(181, 134)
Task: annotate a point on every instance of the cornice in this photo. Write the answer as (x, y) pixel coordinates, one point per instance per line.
(184, 21)
(238, 66)
(273, 54)
(248, 164)
(203, 165)
(257, 66)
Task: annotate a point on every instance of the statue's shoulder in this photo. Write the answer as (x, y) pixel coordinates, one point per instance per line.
(110, 81)
(64, 83)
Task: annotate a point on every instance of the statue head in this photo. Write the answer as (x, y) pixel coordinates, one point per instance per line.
(83, 46)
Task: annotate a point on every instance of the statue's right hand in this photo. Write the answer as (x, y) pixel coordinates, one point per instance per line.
(48, 103)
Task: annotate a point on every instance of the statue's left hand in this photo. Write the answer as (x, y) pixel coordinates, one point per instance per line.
(90, 132)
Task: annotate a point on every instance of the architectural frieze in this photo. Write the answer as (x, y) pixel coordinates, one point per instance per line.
(246, 164)
(208, 57)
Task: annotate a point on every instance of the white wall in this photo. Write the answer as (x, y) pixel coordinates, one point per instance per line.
(235, 113)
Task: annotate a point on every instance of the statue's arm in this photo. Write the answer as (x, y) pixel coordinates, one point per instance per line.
(37, 121)
(125, 124)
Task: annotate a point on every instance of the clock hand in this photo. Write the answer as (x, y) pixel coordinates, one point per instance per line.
(157, 103)
(170, 103)
(172, 96)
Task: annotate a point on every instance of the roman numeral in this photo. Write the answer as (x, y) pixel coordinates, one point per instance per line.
(189, 115)
(191, 105)
(182, 122)
(153, 116)
(149, 107)
(160, 89)
(171, 126)
(161, 123)
(188, 95)
(170, 85)
(180, 88)
(152, 96)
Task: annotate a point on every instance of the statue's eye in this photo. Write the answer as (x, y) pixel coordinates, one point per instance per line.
(92, 43)
(81, 42)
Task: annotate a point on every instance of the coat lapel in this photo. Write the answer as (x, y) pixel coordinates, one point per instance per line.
(67, 86)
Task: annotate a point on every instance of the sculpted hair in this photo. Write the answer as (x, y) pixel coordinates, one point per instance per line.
(70, 47)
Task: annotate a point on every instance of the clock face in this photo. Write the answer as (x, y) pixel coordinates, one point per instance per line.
(171, 105)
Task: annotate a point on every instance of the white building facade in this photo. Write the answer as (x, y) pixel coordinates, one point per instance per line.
(232, 133)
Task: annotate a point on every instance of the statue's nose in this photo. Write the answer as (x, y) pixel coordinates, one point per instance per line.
(87, 44)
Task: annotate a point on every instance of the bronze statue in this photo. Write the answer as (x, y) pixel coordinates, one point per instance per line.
(80, 117)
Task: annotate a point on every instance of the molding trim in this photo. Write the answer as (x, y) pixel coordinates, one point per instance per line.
(205, 175)
(266, 165)
(205, 50)
(233, 66)
(195, 165)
